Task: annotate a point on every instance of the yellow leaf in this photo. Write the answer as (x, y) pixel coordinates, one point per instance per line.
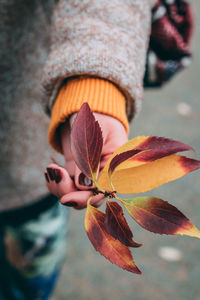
(103, 179)
(150, 175)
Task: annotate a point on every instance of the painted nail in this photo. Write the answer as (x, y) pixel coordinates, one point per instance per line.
(51, 173)
(83, 180)
(58, 175)
(71, 204)
(46, 177)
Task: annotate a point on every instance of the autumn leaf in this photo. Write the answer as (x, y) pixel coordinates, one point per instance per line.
(149, 149)
(86, 142)
(117, 226)
(137, 152)
(106, 244)
(139, 165)
(120, 158)
(159, 216)
(149, 175)
(160, 147)
(131, 146)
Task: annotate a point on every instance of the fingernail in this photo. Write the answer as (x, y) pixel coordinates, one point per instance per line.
(51, 173)
(46, 177)
(71, 204)
(58, 175)
(83, 180)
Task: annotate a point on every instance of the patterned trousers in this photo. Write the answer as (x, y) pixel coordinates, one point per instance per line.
(32, 249)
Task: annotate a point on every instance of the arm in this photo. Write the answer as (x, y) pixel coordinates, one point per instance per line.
(105, 43)
(104, 39)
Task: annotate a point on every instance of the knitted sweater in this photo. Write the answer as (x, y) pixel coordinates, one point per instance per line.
(49, 50)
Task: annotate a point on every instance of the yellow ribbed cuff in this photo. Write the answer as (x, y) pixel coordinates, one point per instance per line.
(101, 95)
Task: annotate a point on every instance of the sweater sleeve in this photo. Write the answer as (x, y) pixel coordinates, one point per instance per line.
(104, 39)
(102, 96)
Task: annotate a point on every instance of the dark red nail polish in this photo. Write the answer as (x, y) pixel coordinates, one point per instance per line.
(83, 180)
(46, 177)
(71, 204)
(58, 175)
(51, 173)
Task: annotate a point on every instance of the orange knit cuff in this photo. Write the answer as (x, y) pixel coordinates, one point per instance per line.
(102, 96)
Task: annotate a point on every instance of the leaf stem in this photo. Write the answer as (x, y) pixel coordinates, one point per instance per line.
(98, 190)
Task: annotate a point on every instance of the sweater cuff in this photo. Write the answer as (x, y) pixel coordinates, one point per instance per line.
(101, 95)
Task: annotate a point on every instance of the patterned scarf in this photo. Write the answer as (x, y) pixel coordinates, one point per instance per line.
(169, 47)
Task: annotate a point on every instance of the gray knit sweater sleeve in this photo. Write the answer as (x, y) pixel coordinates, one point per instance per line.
(107, 39)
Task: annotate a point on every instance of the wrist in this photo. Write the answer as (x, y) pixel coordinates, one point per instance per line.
(102, 96)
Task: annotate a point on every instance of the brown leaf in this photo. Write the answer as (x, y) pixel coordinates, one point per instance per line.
(117, 226)
(104, 243)
(86, 141)
(119, 158)
(147, 149)
(160, 147)
(158, 216)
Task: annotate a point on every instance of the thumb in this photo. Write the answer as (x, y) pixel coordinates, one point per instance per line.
(82, 182)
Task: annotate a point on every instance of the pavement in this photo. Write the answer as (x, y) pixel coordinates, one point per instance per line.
(170, 265)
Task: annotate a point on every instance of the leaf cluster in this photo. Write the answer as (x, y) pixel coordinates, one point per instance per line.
(139, 165)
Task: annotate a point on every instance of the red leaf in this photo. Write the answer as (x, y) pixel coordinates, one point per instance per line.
(104, 243)
(151, 148)
(86, 141)
(159, 216)
(117, 226)
(119, 158)
(160, 147)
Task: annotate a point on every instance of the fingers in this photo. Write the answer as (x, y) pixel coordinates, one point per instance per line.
(81, 181)
(76, 194)
(58, 180)
(79, 199)
(97, 200)
(61, 184)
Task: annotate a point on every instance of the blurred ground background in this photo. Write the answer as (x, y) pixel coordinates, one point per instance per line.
(86, 274)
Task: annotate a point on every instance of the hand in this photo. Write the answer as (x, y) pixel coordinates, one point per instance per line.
(69, 183)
